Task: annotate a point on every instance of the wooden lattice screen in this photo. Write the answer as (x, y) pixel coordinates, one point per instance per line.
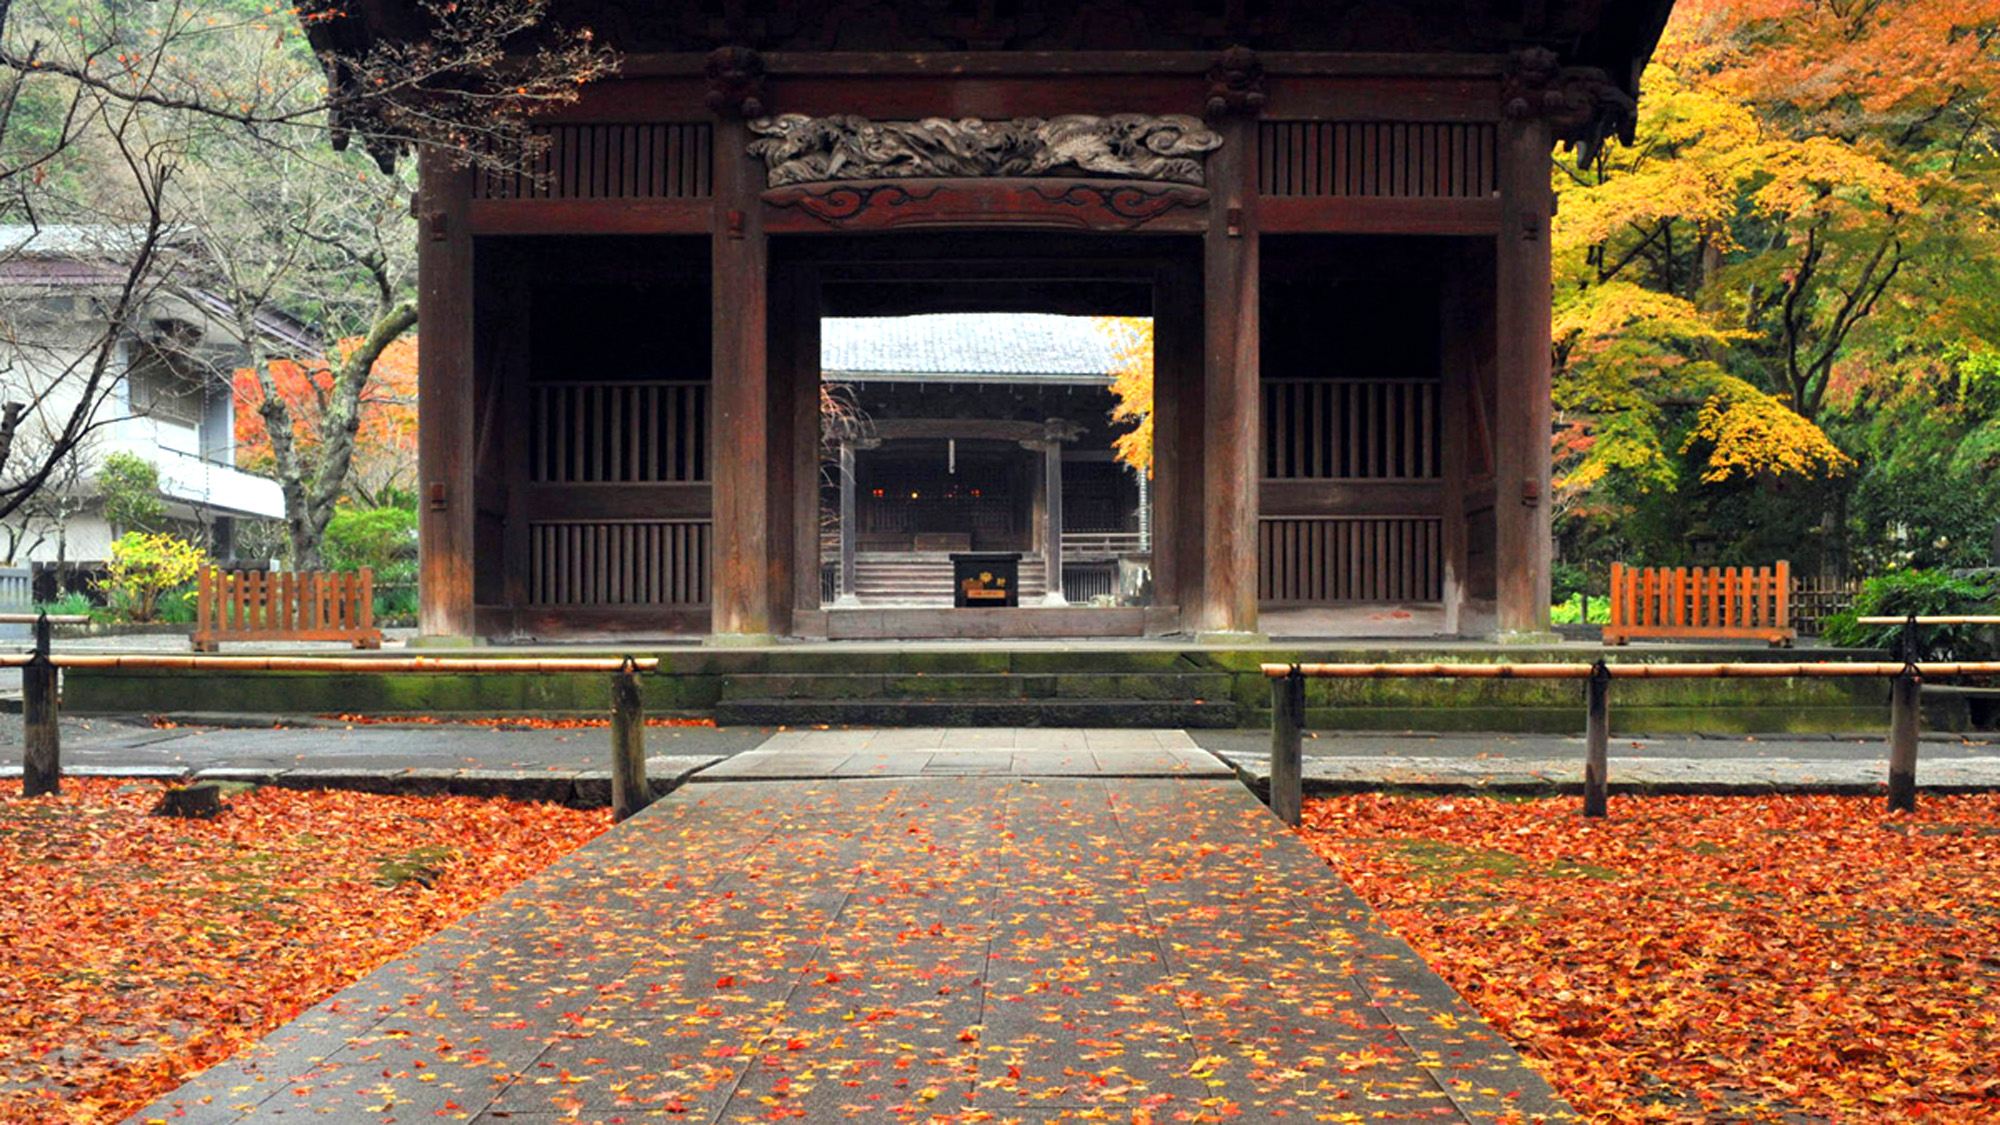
(1391, 159)
(619, 562)
(1311, 560)
(626, 433)
(620, 161)
(1346, 429)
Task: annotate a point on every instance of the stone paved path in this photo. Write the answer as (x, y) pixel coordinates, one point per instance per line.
(985, 945)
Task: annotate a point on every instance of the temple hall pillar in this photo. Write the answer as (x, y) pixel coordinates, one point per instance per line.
(444, 397)
(846, 595)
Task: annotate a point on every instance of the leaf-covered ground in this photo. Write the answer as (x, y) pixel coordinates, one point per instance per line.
(1794, 959)
(137, 950)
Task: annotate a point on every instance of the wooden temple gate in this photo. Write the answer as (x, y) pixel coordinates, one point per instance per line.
(1344, 244)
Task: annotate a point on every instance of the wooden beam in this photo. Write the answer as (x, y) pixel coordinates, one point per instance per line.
(740, 429)
(444, 395)
(1361, 215)
(1523, 311)
(1052, 64)
(1321, 97)
(1351, 498)
(590, 216)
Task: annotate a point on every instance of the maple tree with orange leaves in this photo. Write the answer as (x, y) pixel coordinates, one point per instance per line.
(385, 454)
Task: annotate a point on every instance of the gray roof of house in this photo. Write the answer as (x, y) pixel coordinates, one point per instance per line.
(988, 347)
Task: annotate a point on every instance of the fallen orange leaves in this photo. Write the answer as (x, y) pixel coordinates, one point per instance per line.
(136, 951)
(1708, 958)
(522, 722)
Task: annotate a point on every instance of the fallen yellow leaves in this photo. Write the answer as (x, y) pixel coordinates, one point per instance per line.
(136, 951)
(1708, 958)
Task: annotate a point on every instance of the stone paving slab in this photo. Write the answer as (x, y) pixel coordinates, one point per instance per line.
(969, 752)
(900, 950)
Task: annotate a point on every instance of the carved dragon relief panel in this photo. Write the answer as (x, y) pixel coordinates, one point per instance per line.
(797, 149)
(1105, 173)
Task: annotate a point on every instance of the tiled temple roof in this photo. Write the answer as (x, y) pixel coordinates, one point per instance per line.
(983, 347)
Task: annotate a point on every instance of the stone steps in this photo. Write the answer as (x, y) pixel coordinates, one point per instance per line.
(903, 576)
(1174, 687)
(887, 712)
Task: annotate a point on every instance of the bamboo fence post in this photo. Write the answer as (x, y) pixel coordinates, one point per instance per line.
(1597, 741)
(629, 792)
(41, 756)
(1288, 712)
(1904, 714)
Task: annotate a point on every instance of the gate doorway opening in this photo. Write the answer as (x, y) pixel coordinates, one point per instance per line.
(950, 433)
(964, 391)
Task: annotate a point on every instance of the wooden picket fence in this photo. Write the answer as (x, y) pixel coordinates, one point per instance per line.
(1701, 603)
(257, 605)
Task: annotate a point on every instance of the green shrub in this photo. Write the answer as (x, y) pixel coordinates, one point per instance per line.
(383, 539)
(69, 605)
(143, 567)
(396, 606)
(1926, 593)
(1598, 612)
(1566, 581)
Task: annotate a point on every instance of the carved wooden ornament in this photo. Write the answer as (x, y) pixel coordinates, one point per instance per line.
(797, 149)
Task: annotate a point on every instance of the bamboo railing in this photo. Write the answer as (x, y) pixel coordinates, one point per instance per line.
(1288, 709)
(41, 759)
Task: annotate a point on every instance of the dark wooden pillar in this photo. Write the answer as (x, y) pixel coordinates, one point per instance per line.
(1522, 306)
(739, 440)
(847, 568)
(1227, 462)
(444, 398)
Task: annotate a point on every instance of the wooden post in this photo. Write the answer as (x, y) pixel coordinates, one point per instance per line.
(1227, 460)
(629, 792)
(1523, 314)
(1904, 715)
(1052, 541)
(1288, 716)
(41, 757)
(740, 419)
(444, 397)
(1597, 741)
(846, 595)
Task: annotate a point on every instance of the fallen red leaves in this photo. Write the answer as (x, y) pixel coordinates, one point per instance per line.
(1708, 958)
(136, 951)
(523, 722)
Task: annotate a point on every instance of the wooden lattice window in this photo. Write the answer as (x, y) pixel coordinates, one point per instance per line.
(1383, 159)
(622, 161)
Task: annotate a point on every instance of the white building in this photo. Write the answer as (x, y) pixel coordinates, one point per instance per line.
(165, 393)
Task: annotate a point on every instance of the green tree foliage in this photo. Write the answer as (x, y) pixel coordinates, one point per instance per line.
(1771, 311)
(130, 487)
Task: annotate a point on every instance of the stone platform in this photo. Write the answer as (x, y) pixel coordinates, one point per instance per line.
(1104, 684)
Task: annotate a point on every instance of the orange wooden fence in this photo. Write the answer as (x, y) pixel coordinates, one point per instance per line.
(256, 605)
(1703, 603)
